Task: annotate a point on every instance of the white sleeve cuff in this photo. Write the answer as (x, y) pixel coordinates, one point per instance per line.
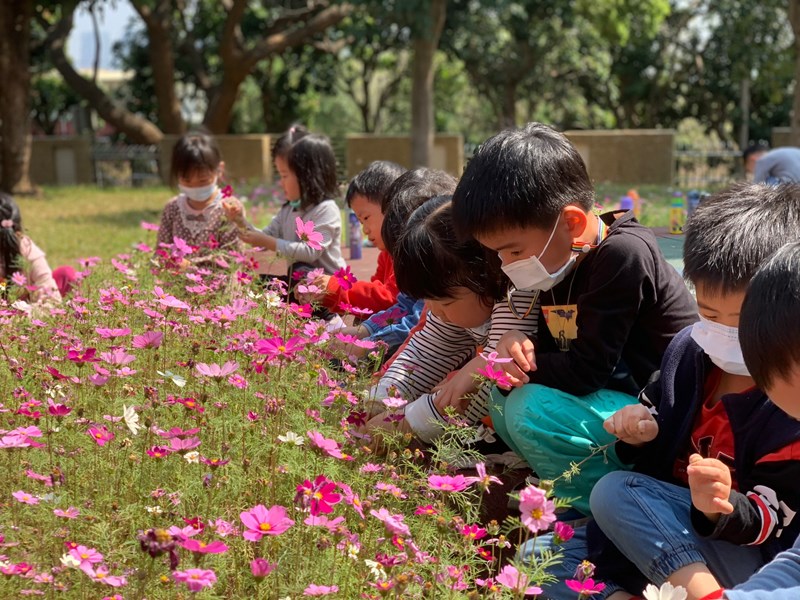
(424, 419)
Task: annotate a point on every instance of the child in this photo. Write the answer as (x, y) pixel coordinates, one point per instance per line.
(466, 307)
(715, 493)
(22, 262)
(769, 334)
(365, 196)
(610, 302)
(307, 168)
(196, 215)
(408, 192)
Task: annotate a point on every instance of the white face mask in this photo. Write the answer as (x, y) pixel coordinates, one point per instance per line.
(721, 343)
(529, 273)
(482, 330)
(198, 194)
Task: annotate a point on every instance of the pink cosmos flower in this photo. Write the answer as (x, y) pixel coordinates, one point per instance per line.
(118, 357)
(147, 226)
(149, 339)
(70, 513)
(277, 348)
(86, 556)
(87, 355)
(585, 588)
(318, 496)
(537, 511)
(101, 435)
(497, 377)
(473, 532)
(562, 532)
(260, 567)
(320, 590)
(25, 497)
(215, 371)
(158, 451)
(101, 576)
(328, 446)
(426, 510)
(448, 483)
(261, 521)
(183, 445)
(305, 232)
(227, 191)
(19, 278)
(345, 278)
(58, 410)
(394, 523)
(196, 579)
(109, 333)
(483, 480)
(21, 437)
(198, 547)
(511, 578)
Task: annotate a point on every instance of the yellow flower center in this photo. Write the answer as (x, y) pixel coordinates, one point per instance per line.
(265, 527)
(281, 348)
(537, 513)
(100, 575)
(84, 555)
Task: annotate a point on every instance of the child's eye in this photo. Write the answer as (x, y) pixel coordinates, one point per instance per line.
(515, 252)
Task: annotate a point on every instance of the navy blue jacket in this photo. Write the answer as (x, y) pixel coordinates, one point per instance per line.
(769, 490)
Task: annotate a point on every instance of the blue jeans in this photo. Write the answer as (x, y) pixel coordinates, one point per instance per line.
(649, 522)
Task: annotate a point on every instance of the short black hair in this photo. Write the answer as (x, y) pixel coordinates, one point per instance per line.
(520, 178)
(192, 153)
(410, 191)
(312, 161)
(732, 233)
(284, 143)
(9, 236)
(430, 261)
(769, 323)
(754, 149)
(374, 181)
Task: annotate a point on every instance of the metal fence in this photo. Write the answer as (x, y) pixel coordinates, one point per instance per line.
(117, 165)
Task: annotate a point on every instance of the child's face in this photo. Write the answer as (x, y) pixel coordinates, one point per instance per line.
(718, 307)
(463, 309)
(518, 243)
(371, 218)
(784, 393)
(197, 180)
(289, 183)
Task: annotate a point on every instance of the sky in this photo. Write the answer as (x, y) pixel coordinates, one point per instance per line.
(113, 22)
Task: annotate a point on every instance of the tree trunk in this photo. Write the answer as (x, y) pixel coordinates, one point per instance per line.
(422, 72)
(508, 116)
(794, 19)
(15, 146)
(137, 128)
(744, 108)
(162, 60)
(220, 107)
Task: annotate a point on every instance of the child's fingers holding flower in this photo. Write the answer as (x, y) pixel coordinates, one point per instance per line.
(710, 484)
(517, 346)
(233, 208)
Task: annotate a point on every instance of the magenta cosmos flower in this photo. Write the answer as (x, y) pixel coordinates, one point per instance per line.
(305, 232)
(261, 567)
(318, 496)
(277, 348)
(537, 511)
(260, 522)
(196, 579)
(101, 435)
(198, 547)
(585, 588)
(511, 578)
(447, 483)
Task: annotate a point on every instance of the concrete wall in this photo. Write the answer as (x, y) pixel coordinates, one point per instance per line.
(61, 161)
(362, 149)
(245, 156)
(627, 155)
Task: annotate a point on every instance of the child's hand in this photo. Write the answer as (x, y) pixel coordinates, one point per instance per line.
(453, 391)
(710, 484)
(234, 210)
(322, 282)
(632, 424)
(379, 426)
(517, 346)
(251, 236)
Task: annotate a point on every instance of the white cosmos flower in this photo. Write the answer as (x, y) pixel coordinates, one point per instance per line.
(665, 592)
(70, 561)
(131, 419)
(291, 438)
(192, 457)
(154, 510)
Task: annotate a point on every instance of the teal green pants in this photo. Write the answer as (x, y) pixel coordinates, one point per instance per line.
(553, 431)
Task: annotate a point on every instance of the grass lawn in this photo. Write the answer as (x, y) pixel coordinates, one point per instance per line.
(75, 222)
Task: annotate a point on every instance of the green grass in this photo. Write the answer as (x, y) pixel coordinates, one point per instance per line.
(75, 222)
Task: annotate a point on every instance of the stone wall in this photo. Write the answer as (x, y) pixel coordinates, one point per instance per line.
(362, 149)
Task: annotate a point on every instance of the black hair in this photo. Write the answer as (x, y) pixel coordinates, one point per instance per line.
(374, 181)
(312, 161)
(409, 191)
(430, 261)
(520, 178)
(10, 228)
(285, 142)
(754, 149)
(192, 153)
(732, 233)
(769, 327)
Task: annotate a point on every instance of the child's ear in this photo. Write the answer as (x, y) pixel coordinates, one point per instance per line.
(576, 220)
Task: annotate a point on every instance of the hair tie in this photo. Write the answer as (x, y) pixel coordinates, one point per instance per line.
(7, 224)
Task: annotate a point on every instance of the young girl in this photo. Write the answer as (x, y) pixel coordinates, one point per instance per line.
(307, 168)
(467, 309)
(19, 257)
(195, 215)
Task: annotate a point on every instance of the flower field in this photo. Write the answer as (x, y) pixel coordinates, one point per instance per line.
(169, 432)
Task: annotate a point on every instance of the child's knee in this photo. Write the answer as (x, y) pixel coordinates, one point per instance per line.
(604, 500)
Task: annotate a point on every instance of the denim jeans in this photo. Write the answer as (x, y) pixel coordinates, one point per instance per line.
(649, 522)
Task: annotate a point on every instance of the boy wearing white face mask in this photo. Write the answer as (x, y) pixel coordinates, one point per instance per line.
(610, 302)
(196, 215)
(715, 495)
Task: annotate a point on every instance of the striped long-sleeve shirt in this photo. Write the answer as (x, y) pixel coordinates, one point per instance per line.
(439, 348)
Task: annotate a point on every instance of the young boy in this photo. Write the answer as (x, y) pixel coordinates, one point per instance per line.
(610, 302)
(714, 493)
(770, 337)
(365, 195)
(409, 191)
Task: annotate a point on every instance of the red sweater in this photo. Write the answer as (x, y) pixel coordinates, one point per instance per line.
(379, 293)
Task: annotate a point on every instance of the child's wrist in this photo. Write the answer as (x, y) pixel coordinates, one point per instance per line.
(362, 332)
